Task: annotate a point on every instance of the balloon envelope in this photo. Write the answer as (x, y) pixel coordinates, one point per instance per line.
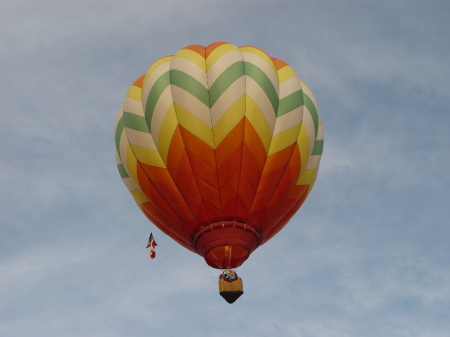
(219, 146)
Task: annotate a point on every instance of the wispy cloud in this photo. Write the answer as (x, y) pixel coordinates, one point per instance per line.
(367, 255)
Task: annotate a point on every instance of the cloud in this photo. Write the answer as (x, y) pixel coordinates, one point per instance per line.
(365, 256)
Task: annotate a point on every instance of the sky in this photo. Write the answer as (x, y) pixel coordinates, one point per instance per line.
(367, 254)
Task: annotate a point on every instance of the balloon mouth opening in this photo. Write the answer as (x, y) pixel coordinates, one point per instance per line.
(226, 257)
(226, 244)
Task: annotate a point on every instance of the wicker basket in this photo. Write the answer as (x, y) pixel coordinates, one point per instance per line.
(235, 285)
(231, 290)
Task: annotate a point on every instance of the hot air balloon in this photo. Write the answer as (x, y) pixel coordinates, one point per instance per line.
(219, 147)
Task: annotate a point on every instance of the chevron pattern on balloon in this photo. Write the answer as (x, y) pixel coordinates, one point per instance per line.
(219, 133)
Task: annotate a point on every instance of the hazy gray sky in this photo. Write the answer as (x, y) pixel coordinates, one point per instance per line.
(367, 255)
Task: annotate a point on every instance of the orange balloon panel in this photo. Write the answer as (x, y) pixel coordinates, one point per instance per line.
(219, 146)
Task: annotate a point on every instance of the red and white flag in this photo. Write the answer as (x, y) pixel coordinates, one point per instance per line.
(152, 244)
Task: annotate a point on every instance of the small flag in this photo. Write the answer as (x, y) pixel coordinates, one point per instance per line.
(152, 244)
